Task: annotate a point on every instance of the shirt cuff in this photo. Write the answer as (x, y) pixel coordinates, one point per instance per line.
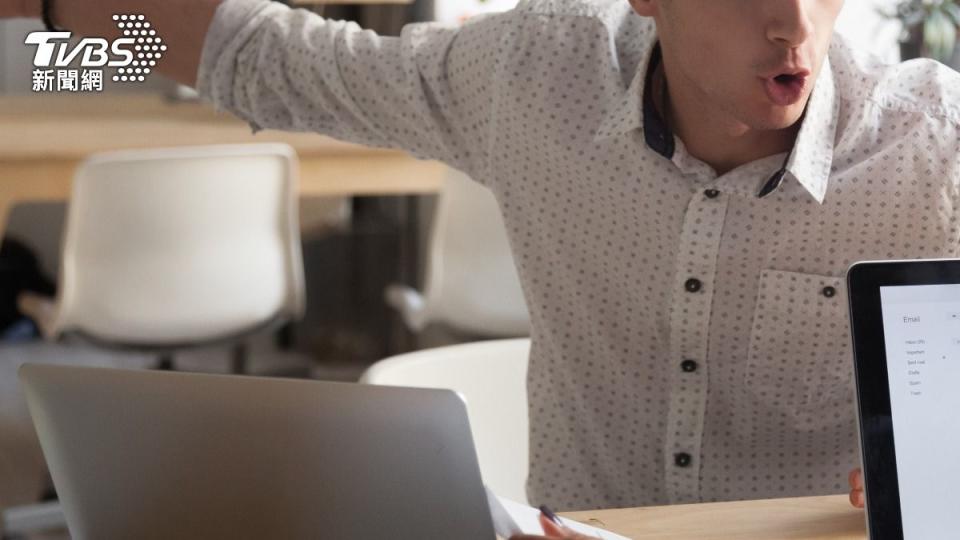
(233, 23)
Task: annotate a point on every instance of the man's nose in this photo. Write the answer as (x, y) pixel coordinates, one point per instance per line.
(789, 21)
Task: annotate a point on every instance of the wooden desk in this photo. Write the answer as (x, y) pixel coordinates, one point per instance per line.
(805, 518)
(44, 136)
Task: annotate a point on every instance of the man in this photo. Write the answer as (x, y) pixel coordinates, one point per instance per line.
(684, 184)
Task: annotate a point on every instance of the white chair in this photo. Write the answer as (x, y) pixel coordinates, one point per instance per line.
(171, 248)
(471, 280)
(178, 247)
(491, 376)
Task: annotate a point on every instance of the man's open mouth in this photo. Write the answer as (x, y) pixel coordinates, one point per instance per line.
(785, 89)
(785, 78)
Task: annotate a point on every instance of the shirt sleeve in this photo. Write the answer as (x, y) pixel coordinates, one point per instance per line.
(427, 91)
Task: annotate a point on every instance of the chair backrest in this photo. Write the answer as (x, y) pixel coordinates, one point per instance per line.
(471, 279)
(181, 245)
(491, 376)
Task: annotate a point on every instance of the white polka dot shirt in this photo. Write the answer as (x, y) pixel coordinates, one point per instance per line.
(689, 339)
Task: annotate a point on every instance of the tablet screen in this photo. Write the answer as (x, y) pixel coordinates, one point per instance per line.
(921, 326)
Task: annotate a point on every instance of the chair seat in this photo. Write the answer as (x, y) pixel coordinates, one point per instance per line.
(491, 376)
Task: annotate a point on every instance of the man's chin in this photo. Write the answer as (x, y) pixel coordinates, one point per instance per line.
(775, 118)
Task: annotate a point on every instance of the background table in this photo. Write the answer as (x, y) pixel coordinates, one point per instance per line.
(805, 518)
(43, 138)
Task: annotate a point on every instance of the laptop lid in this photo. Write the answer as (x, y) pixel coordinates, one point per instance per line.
(905, 324)
(146, 454)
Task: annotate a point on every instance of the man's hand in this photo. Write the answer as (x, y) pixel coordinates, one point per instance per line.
(856, 488)
(553, 531)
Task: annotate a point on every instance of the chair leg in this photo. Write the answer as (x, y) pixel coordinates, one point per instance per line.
(283, 337)
(239, 359)
(20, 522)
(165, 362)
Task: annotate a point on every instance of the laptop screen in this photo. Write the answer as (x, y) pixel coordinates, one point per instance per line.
(921, 326)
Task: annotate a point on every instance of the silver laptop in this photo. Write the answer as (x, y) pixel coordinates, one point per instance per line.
(145, 454)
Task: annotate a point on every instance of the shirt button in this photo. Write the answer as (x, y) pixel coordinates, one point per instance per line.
(688, 366)
(829, 291)
(711, 193)
(692, 285)
(682, 459)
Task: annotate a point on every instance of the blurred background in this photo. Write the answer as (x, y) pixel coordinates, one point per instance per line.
(354, 223)
(389, 266)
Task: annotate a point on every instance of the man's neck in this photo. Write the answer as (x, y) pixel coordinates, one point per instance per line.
(710, 135)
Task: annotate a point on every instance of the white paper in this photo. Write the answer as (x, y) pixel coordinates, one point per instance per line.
(510, 518)
(503, 523)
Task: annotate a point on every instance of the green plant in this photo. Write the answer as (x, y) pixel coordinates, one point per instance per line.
(935, 22)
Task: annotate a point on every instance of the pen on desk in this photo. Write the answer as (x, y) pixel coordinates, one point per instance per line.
(556, 519)
(550, 515)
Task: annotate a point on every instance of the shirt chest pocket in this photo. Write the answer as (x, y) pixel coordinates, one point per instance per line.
(799, 362)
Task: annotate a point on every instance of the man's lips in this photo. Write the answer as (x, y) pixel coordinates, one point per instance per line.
(796, 70)
(785, 86)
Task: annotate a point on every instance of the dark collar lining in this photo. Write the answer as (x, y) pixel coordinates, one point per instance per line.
(655, 130)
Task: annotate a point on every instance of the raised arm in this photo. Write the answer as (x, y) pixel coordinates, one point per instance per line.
(183, 23)
(431, 91)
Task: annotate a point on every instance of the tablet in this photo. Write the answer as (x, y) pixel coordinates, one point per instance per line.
(905, 325)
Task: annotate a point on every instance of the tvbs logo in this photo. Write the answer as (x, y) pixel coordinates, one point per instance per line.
(134, 55)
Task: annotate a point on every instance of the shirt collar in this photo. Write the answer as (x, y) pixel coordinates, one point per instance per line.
(812, 154)
(627, 114)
